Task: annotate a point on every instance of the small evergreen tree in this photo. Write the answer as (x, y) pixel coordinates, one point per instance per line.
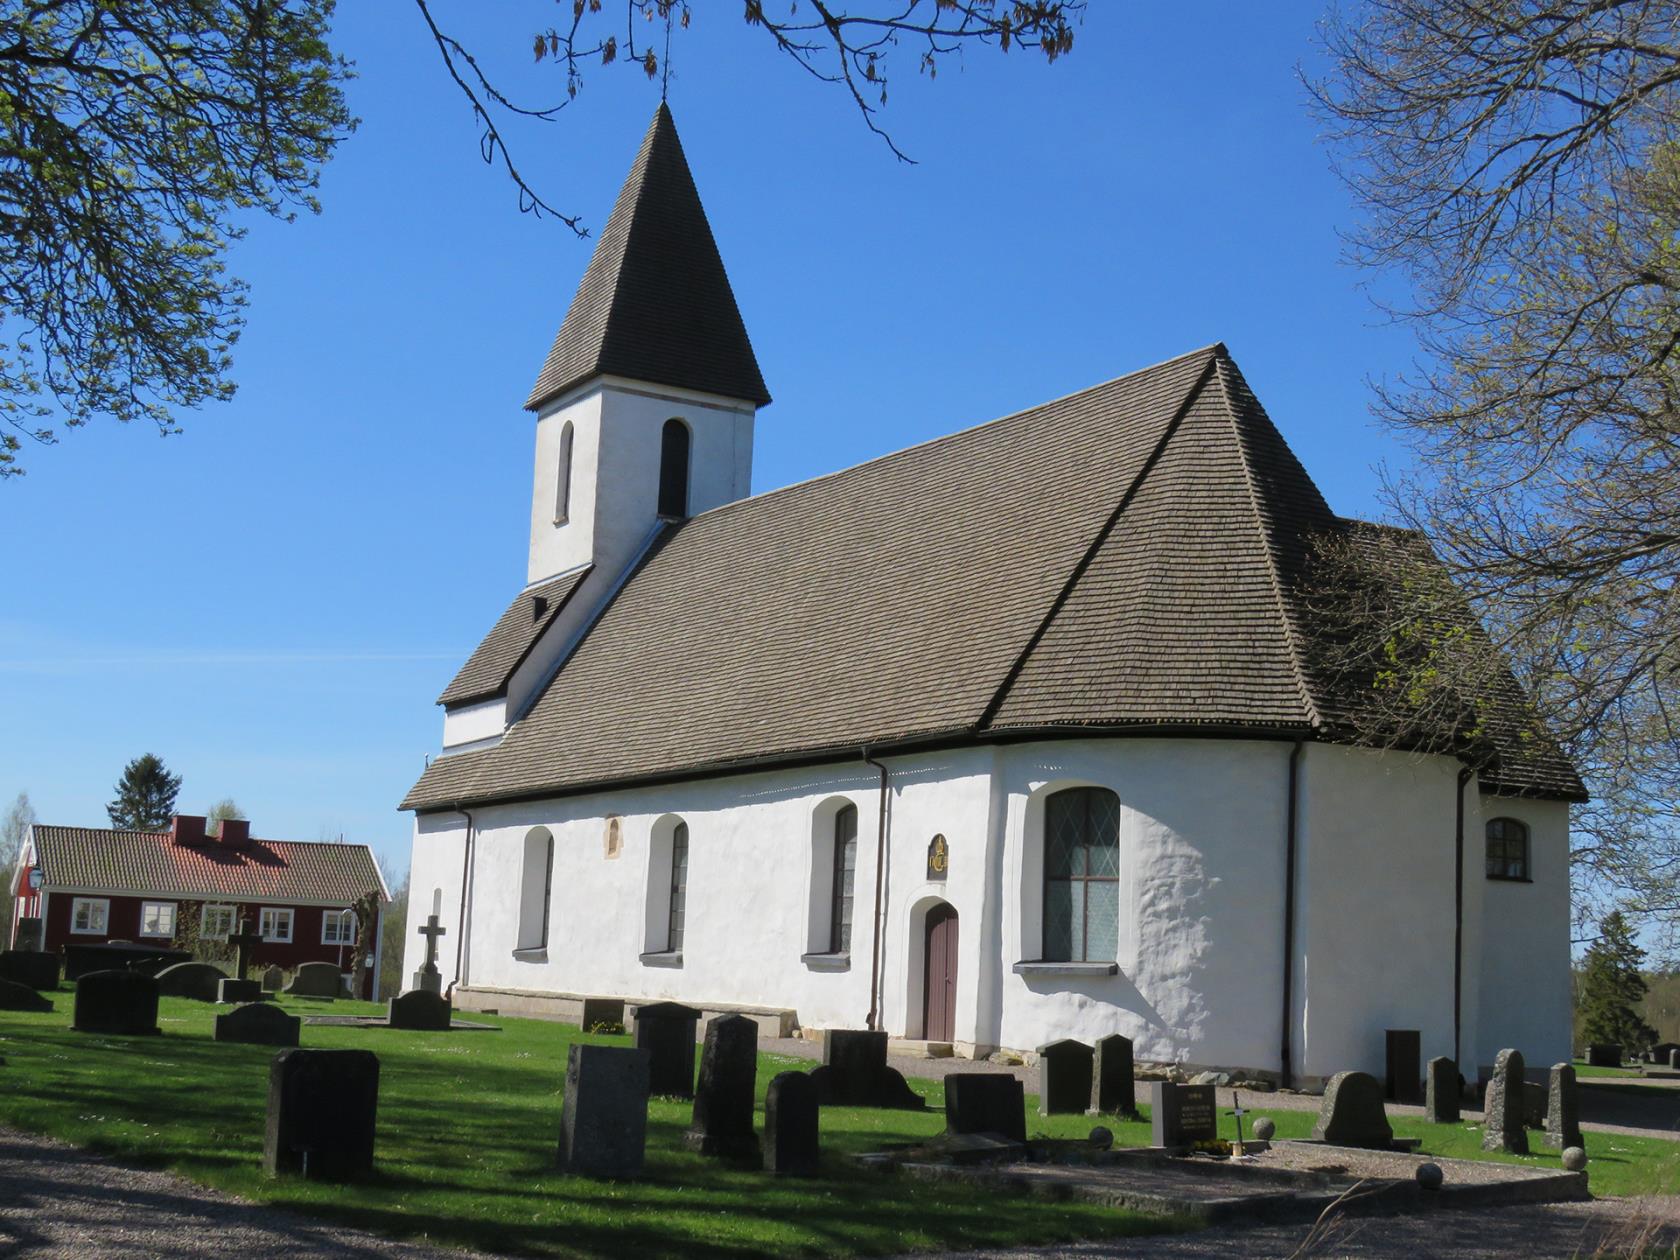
(1611, 988)
(145, 796)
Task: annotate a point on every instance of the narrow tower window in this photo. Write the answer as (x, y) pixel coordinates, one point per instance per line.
(845, 869)
(536, 886)
(563, 476)
(1081, 875)
(673, 469)
(679, 889)
(1507, 849)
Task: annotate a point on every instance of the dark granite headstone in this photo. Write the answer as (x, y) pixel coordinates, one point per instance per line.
(322, 1109)
(30, 933)
(1502, 1108)
(117, 1003)
(854, 1073)
(1534, 1105)
(723, 1103)
(1440, 1102)
(419, 1011)
(20, 997)
(25, 966)
(790, 1125)
(317, 979)
(1113, 1078)
(986, 1102)
(603, 1121)
(1404, 1082)
(1674, 1060)
(1563, 1109)
(196, 980)
(1351, 1113)
(258, 1024)
(1064, 1078)
(273, 980)
(666, 1031)
(79, 960)
(230, 990)
(1604, 1054)
(603, 1015)
(1661, 1053)
(1182, 1115)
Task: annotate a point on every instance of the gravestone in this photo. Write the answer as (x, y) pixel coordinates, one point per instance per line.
(322, 1109)
(1661, 1053)
(603, 1015)
(1064, 1078)
(986, 1102)
(666, 1031)
(26, 966)
(29, 935)
(273, 979)
(231, 991)
(258, 1024)
(116, 955)
(428, 979)
(1534, 1105)
(1352, 1113)
(196, 980)
(20, 997)
(1182, 1115)
(1604, 1054)
(1404, 1083)
(317, 979)
(244, 941)
(790, 1126)
(1563, 1109)
(1440, 1103)
(1113, 1078)
(723, 1103)
(419, 1011)
(854, 1073)
(1674, 1060)
(603, 1121)
(119, 1003)
(1502, 1109)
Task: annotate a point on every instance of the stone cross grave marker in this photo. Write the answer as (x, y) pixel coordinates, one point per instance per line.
(1113, 1078)
(322, 1108)
(1182, 1115)
(1238, 1111)
(428, 979)
(603, 1120)
(1563, 1109)
(1352, 1113)
(1404, 1065)
(1064, 1077)
(986, 1102)
(790, 1126)
(1502, 1107)
(239, 988)
(1440, 1102)
(723, 1104)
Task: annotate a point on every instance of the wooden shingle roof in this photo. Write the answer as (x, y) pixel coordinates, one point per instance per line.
(1127, 558)
(533, 610)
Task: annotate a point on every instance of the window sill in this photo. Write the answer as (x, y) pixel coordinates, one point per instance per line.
(156, 936)
(827, 962)
(663, 958)
(1511, 879)
(537, 955)
(76, 931)
(1040, 968)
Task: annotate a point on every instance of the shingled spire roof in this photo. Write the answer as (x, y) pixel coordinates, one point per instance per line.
(655, 303)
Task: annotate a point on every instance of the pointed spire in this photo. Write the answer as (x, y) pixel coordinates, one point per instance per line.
(655, 304)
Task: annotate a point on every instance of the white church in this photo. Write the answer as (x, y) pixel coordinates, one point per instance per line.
(999, 739)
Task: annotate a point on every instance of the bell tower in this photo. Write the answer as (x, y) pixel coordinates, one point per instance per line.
(645, 404)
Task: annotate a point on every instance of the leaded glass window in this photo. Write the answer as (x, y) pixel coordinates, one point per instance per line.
(679, 887)
(1507, 849)
(1082, 875)
(845, 871)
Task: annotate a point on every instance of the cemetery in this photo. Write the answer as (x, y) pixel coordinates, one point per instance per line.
(549, 1140)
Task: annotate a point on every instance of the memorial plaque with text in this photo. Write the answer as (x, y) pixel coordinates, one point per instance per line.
(1182, 1115)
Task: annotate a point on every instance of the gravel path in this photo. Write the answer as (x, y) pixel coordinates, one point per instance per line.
(57, 1200)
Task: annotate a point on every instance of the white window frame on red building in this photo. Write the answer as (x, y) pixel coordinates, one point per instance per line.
(268, 921)
(89, 903)
(224, 916)
(147, 911)
(345, 921)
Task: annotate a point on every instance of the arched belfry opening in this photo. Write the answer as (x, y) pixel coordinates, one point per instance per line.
(674, 442)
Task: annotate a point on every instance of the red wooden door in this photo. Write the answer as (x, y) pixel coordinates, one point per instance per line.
(939, 985)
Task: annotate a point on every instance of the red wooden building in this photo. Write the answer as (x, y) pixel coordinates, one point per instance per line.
(90, 885)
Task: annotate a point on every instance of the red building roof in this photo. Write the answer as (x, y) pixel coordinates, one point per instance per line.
(186, 862)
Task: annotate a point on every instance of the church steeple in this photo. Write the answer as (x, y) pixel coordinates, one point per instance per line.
(655, 303)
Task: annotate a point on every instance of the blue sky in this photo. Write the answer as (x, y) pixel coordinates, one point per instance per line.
(272, 600)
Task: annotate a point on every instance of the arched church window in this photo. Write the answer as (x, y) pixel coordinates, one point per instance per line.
(673, 469)
(1507, 849)
(536, 884)
(679, 889)
(1081, 875)
(563, 476)
(845, 870)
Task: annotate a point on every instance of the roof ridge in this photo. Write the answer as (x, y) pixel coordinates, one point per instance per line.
(1291, 632)
(1104, 531)
(1212, 349)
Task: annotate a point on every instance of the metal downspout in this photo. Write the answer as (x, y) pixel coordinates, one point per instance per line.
(461, 922)
(873, 1022)
(1458, 919)
(1287, 1049)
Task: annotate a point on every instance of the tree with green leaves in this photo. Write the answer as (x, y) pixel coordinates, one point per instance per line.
(1611, 988)
(133, 138)
(222, 810)
(145, 799)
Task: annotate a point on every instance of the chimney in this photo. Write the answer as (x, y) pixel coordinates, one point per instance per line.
(187, 828)
(235, 831)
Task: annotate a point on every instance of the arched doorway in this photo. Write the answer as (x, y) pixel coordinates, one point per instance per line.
(939, 976)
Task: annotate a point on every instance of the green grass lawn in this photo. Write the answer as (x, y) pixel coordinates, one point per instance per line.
(1584, 1069)
(469, 1124)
